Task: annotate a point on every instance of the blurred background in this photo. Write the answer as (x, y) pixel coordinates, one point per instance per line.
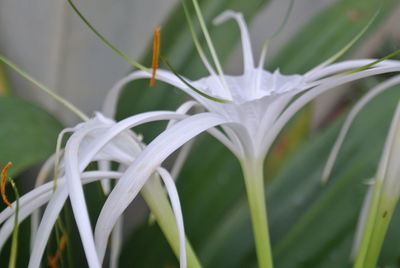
(50, 42)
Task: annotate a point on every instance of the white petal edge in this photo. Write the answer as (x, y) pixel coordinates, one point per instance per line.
(116, 242)
(122, 126)
(349, 120)
(344, 66)
(52, 211)
(43, 175)
(110, 102)
(76, 194)
(137, 174)
(176, 206)
(248, 60)
(329, 84)
(29, 197)
(8, 227)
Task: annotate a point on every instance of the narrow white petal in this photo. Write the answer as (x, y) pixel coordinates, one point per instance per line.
(136, 175)
(45, 170)
(43, 175)
(31, 196)
(77, 196)
(105, 184)
(31, 201)
(219, 135)
(110, 103)
(344, 66)
(59, 152)
(73, 168)
(330, 83)
(181, 159)
(116, 243)
(248, 60)
(24, 200)
(349, 120)
(232, 138)
(271, 114)
(122, 126)
(247, 142)
(8, 227)
(52, 211)
(46, 225)
(176, 206)
(184, 109)
(184, 151)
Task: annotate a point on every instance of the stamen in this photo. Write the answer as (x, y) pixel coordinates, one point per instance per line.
(4, 177)
(108, 43)
(211, 47)
(156, 55)
(196, 41)
(190, 86)
(52, 261)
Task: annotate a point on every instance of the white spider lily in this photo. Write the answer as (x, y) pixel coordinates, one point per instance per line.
(102, 140)
(83, 148)
(256, 106)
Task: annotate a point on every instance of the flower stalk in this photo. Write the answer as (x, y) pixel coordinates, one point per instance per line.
(154, 195)
(254, 181)
(381, 205)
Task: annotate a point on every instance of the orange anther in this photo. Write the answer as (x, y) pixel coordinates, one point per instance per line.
(156, 54)
(52, 261)
(4, 177)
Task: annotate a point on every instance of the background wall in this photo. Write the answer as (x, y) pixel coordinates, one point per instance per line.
(51, 43)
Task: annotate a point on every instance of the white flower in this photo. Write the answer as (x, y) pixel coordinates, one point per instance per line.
(256, 106)
(93, 141)
(258, 100)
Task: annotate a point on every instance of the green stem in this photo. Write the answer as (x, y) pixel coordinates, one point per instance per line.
(254, 181)
(155, 197)
(369, 226)
(377, 223)
(14, 244)
(385, 214)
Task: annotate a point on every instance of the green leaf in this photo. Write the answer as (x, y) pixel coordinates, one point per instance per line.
(329, 32)
(4, 83)
(27, 134)
(327, 221)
